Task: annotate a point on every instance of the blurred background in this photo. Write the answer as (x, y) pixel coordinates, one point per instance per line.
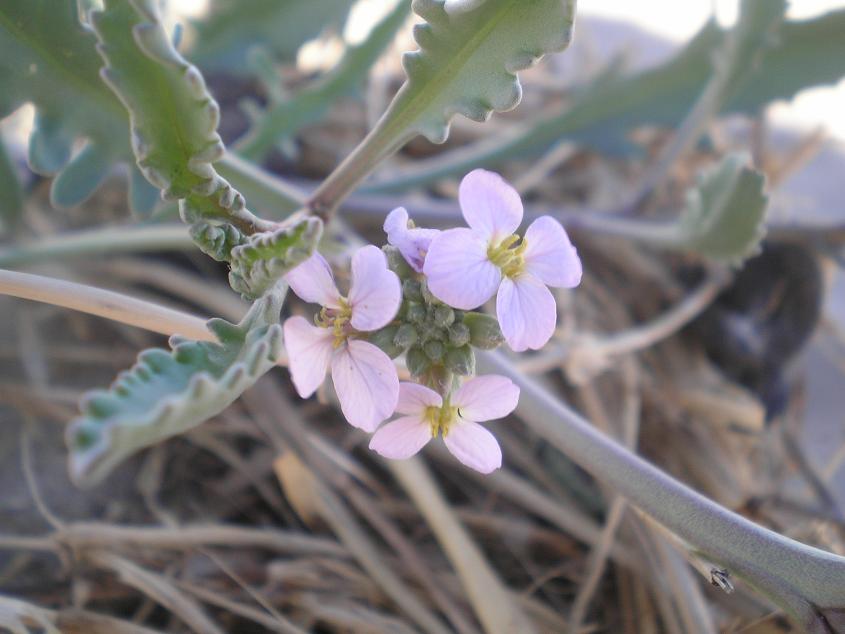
(275, 517)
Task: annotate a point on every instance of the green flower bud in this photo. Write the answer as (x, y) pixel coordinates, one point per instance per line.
(428, 298)
(415, 313)
(434, 350)
(417, 361)
(444, 316)
(396, 262)
(411, 290)
(406, 336)
(385, 339)
(460, 360)
(459, 334)
(440, 379)
(484, 330)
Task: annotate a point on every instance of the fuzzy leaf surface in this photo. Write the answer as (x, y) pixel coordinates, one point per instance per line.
(258, 263)
(169, 392)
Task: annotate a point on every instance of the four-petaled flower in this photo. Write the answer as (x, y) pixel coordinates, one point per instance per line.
(465, 267)
(364, 377)
(412, 242)
(427, 415)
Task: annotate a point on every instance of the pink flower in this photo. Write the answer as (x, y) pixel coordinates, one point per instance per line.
(465, 267)
(364, 377)
(426, 415)
(412, 242)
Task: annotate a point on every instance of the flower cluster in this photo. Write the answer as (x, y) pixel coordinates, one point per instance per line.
(417, 296)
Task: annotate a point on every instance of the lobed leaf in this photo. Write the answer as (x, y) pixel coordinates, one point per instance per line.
(173, 117)
(724, 218)
(48, 58)
(805, 53)
(168, 393)
(261, 260)
(467, 62)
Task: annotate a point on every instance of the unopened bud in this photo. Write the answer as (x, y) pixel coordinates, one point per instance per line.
(460, 360)
(411, 290)
(417, 361)
(434, 350)
(484, 330)
(396, 262)
(385, 339)
(406, 336)
(415, 313)
(459, 334)
(428, 298)
(444, 316)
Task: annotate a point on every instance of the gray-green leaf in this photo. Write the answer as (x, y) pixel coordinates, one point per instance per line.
(725, 214)
(264, 258)
(168, 393)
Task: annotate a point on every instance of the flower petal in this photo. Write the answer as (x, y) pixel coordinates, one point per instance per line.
(550, 255)
(412, 243)
(401, 438)
(454, 7)
(414, 398)
(474, 446)
(375, 293)
(458, 270)
(366, 384)
(489, 204)
(486, 398)
(313, 282)
(309, 351)
(526, 311)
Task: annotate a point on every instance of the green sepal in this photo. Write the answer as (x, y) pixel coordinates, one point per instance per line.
(264, 258)
(168, 393)
(417, 361)
(460, 360)
(384, 339)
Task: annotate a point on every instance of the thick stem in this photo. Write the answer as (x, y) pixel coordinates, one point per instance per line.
(800, 577)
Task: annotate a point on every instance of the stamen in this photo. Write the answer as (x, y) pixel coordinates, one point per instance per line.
(336, 319)
(440, 419)
(508, 258)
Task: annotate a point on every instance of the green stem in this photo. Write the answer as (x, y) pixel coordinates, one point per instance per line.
(807, 581)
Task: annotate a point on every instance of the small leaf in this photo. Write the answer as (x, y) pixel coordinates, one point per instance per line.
(232, 27)
(467, 62)
(724, 215)
(259, 262)
(168, 393)
(81, 176)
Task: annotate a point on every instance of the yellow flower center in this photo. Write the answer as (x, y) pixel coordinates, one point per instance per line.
(508, 255)
(440, 419)
(336, 319)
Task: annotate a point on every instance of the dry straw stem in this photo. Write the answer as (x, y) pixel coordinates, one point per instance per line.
(492, 602)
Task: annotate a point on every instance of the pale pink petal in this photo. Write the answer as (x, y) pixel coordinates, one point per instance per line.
(313, 282)
(414, 398)
(366, 384)
(309, 351)
(489, 204)
(376, 292)
(401, 438)
(486, 398)
(458, 270)
(526, 311)
(412, 243)
(474, 446)
(550, 255)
